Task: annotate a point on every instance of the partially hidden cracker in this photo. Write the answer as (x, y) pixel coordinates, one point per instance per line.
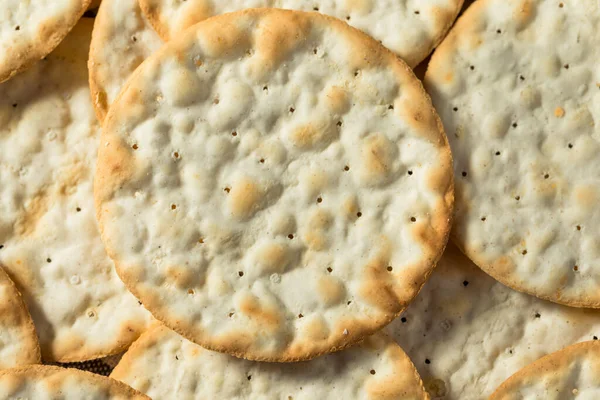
(411, 29)
(573, 372)
(49, 240)
(18, 340)
(50, 382)
(30, 30)
(121, 40)
(164, 365)
(275, 202)
(517, 86)
(468, 333)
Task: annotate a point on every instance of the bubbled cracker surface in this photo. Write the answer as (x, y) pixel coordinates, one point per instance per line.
(164, 365)
(51, 246)
(48, 382)
(29, 30)
(274, 202)
(121, 40)
(18, 340)
(571, 373)
(411, 28)
(517, 86)
(467, 333)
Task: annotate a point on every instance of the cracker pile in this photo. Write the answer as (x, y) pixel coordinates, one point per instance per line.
(253, 199)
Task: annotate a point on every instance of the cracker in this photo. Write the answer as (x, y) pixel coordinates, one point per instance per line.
(164, 365)
(274, 202)
(18, 340)
(467, 333)
(573, 372)
(121, 40)
(50, 243)
(411, 29)
(518, 89)
(30, 30)
(49, 382)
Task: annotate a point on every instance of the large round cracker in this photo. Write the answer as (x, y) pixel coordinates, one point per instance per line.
(30, 30)
(121, 40)
(571, 373)
(467, 333)
(51, 246)
(410, 28)
(518, 88)
(275, 202)
(164, 365)
(50, 382)
(18, 340)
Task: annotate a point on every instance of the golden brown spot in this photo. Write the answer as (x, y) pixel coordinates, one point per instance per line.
(277, 36)
(331, 290)
(378, 288)
(320, 220)
(350, 207)
(27, 221)
(337, 100)
(272, 257)
(420, 116)
(524, 13)
(360, 7)
(316, 241)
(503, 266)
(180, 276)
(317, 134)
(245, 198)
(559, 112)
(316, 329)
(586, 196)
(377, 155)
(265, 316)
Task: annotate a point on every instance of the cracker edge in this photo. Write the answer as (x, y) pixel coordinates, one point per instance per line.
(39, 50)
(550, 363)
(42, 371)
(33, 344)
(101, 194)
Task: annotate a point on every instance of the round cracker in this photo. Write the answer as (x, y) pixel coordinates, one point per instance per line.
(274, 202)
(30, 30)
(573, 372)
(50, 382)
(51, 245)
(410, 29)
(121, 40)
(164, 365)
(18, 340)
(467, 333)
(517, 86)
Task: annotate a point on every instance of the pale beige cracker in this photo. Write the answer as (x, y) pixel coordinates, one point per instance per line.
(517, 86)
(410, 28)
(121, 40)
(467, 333)
(164, 365)
(274, 184)
(571, 373)
(50, 382)
(50, 243)
(30, 30)
(18, 340)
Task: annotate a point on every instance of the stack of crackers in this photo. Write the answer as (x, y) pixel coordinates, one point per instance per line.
(260, 199)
